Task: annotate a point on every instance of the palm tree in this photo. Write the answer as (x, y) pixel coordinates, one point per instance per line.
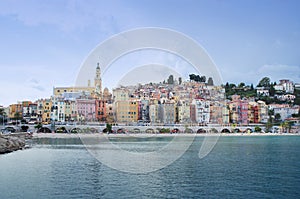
(285, 126)
(17, 117)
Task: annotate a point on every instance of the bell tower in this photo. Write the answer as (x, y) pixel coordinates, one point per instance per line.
(98, 83)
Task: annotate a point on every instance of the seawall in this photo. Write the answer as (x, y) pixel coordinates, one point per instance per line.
(11, 143)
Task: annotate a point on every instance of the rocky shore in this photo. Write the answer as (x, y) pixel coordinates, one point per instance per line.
(10, 143)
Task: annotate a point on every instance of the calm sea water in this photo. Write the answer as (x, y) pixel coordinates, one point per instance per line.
(238, 167)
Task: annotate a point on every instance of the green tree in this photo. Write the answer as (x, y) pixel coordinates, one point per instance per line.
(269, 125)
(192, 77)
(277, 117)
(232, 86)
(257, 129)
(272, 90)
(271, 112)
(38, 126)
(164, 130)
(197, 78)
(286, 126)
(241, 85)
(17, 117)
(108, 127)
(227, 86)
(264, 82)
(203, 79)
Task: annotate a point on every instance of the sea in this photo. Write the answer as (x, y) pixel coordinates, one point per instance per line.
(237, 167)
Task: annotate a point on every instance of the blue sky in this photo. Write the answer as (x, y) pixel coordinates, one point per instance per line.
(43, 43)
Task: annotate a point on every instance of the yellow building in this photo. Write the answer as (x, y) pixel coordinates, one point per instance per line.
(225, 114)
(253, 116)
(120, 94)
(46, 117)
(183, 112)
(58, 91)
(127, 111)
(107, 96)
(70, 110)
(15, 110)
(263, 111)
(134, 110)
(44, 110)
(233, 112)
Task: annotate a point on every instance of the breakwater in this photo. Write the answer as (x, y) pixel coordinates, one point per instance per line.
(10, 143)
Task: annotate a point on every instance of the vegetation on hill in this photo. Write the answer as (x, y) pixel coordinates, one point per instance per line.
(249, 91)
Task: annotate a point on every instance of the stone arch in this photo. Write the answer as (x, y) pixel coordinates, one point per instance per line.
(121, 130)
(44, 130)
(248, 130)
(24, 128)
(136, 130)
(225, 130)
(89, 130)
(76, 130)
(188, 130)
(213, 130)
(61, 129)
(237, 130)
(201, 130)
(175, 130)
(150, 130)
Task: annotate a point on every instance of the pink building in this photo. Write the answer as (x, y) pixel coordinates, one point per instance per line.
(243, 116)
(239, 110)
(86, 109)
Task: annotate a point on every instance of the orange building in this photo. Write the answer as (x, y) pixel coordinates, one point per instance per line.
(101, 113)
(15, 110)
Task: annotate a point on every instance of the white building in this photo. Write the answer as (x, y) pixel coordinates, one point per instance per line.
(168, 113)
(286, 112)
(153, 113)
(262, 91)
(202, 110)
(288, 86)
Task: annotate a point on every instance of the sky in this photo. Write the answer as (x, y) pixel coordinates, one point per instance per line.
(44, 43)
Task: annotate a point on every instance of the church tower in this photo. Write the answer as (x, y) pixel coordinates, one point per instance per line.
(98, 83)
